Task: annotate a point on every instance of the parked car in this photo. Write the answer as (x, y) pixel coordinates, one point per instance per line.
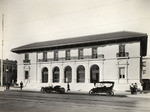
(51, 89)
(103, 87)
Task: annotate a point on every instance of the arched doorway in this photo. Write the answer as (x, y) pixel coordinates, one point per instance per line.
(44, 75)
(94, 74)
(56, 74)
(80, 74)
(68, 75)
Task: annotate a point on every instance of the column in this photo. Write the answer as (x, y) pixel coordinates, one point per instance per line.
(50, 77)
(61, 73)
(74, 73)
(101, 72)
(87, 72)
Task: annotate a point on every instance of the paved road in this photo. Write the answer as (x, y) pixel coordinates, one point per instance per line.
(39, 102)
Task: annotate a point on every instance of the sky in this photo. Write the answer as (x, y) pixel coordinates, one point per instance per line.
(28, 21)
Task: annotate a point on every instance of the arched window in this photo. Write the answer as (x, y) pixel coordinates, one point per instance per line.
(94, 74)
(68, 74)
(56, 74)
(44, 75)
(80, 74)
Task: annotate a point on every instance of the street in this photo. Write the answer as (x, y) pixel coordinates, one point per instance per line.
(17, 101)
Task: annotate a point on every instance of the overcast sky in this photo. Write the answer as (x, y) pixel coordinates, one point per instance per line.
(28, 21)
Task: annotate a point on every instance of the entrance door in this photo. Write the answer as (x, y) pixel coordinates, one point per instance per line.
(45, 75)
(94, 74)
(68, 75)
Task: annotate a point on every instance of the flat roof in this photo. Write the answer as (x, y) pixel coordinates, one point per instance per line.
(83, 41)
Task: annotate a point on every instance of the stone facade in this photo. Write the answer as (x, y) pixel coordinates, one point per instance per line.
(110, 65)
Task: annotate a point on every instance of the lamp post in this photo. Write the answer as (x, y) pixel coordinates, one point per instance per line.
(2, 50)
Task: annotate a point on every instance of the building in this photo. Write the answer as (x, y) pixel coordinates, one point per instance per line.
(81, 61)
(9, 71)
(146, 73)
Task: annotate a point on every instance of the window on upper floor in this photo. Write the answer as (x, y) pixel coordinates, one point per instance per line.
(122, 72)
(10, 69)
(121, 50)
(67, 54)
(14, 70)
(144, 63)
(55, 55)
(44, 56)
(80, 53)
(94, 52)
(26, 56)
(144, 72)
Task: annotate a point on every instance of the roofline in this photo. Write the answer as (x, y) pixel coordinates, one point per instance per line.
(142, 37)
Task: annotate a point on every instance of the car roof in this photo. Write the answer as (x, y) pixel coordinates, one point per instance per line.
(106, 82)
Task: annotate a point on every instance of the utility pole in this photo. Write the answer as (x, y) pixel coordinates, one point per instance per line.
(2, 49)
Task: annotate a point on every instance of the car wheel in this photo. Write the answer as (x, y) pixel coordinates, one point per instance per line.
(108, 93)
(112, 93)
(91, 92)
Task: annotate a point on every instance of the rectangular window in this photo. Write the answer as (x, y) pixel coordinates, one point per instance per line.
(3, 68)
(26, 56)
(44, 56)
(94, 52)
(144, 63)
(144, 72)
(55, 55)
(122, 50)
(14, 70)
(122, 72)
(10, 69)
(26, 74)
(67, 54)
(80, 54)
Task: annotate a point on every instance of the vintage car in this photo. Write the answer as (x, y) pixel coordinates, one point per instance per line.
(51, 89)
(105, 87)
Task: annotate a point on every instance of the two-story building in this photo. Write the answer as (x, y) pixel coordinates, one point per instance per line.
(146, 74)
(9, 71)
(81, 61)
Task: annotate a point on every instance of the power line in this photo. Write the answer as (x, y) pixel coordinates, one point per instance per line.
(120, 1)
(100, 25)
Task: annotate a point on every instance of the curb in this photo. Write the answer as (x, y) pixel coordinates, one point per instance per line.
(69, 92)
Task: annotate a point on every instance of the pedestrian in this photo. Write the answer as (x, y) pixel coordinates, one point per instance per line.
(9, 85)
(132, 88)
(136, 87)
(68, 87)
(21, 85)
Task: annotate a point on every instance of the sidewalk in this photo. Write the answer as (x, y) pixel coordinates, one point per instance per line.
(116, 93)
(143, 95)
(2, 88)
